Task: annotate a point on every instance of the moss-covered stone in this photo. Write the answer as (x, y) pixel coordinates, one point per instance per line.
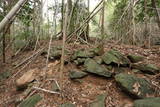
(109, 67)
(114, 56)
(55, 52)
(147, 102)
(146, 68)
(93, 67)
(99, 102)
(31, 101)
(118, 70)
(135, 58)
(83, 54)
(138, 87)
(136, 71)
(76, 74)
(79, 61)
(4, 75)
(98, 59)
(98, 50)
(68, 105)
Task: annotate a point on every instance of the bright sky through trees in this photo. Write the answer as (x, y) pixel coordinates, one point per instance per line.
(51, 3)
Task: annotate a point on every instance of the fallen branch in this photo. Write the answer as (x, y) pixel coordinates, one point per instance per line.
(48, 91)
(27, 59)
(24, 66)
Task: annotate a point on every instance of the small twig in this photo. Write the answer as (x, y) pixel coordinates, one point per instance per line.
(48, 91)
(55, 82)
(155, 76)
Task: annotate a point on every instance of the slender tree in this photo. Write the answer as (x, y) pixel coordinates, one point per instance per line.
(102, 19)
(88, 21)
(154, 5)
(62, 13)
(64, 40)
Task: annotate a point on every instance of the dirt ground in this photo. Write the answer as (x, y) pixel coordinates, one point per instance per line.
(80, 93)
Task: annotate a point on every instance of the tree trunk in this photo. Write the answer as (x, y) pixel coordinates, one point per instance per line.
(4, 33)
(102, 21)
(62, 12)
(88, 22)
(4, 46)
(154, 5)
(11, 14)
(63, 44)
(146, 25)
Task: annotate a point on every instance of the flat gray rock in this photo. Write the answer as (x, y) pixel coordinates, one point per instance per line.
(93, 67)
(147, 102)
(133, 85)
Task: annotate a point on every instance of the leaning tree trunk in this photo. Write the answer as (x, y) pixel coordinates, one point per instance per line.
(11, 14)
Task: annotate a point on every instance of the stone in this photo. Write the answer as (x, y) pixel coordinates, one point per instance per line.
(136, 71)
(99, 102)
(99, 50)
(135, 58)
(98, 59)
(55, 53)
(79, 61)
(109, 67)
(147, 102)
(83, 54)
(114, 56)
(4, 75)
(146, 68)
(92, 66)
(76, 74)
(138, 87)
(24, 80)
(68, 105)
(31, 101)
(118, 70)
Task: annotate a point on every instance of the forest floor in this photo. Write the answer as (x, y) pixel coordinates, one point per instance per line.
(81, 93)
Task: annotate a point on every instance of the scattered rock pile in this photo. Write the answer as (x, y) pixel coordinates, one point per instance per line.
(111, 64)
